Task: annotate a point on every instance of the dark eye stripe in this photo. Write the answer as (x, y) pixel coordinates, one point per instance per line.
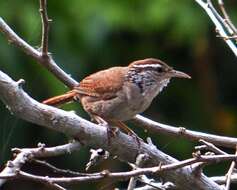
(160, 69)
(148, 68)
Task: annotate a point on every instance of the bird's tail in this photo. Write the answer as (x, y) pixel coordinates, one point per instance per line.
(61, 99)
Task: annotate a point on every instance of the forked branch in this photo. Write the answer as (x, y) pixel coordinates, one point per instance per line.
(224, 28)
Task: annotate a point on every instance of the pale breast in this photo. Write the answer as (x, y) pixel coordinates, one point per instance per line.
(128, 102)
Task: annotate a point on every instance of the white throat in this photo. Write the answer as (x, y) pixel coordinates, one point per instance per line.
(155, 89)
(163, 84)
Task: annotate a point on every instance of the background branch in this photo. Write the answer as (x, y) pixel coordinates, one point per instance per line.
(226, 16)
(219, 23)
(48, 63)
(45, 27)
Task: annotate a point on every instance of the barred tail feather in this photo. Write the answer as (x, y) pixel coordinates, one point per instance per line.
(61, 99)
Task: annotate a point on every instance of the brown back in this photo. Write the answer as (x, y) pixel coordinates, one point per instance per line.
(103, 84)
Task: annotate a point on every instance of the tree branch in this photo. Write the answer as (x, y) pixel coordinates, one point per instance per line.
(45, 27)
(229, 173)
(125, 175)
(121, 175)
(140, 120)
(48, 63)
(150, 184)
(87, 133)
(210, 147)
(57, 170)
(226, 16)
(90, 134)
(28, 153)
(220, 24)
(222, 179)
(160, 128)
(141, 158)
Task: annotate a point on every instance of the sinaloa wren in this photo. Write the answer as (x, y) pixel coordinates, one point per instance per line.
(119, 93)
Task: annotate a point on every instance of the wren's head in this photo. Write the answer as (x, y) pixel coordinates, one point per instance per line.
(152, 75)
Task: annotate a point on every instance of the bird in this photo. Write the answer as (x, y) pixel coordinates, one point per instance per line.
(115, 95)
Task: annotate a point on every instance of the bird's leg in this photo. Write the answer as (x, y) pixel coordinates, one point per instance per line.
(111, 132)
(129, 131)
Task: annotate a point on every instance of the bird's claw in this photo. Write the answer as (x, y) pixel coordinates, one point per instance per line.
(111, 132)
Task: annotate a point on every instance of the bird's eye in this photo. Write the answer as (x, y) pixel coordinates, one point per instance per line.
(159, 69)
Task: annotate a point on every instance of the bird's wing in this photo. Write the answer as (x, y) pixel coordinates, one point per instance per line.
(103, 84)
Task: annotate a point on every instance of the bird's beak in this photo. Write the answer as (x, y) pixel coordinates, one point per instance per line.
(179, 74)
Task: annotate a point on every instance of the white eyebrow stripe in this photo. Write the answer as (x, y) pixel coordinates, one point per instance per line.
(148, 65)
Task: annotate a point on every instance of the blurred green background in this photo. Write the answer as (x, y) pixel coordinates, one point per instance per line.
(87, 36)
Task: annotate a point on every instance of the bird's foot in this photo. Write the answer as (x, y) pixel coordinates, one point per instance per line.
(111, 133)
(129, 131)
(136, 137)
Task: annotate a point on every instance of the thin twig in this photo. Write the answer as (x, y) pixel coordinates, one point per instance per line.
(125, 175)
(151, 184)
(221, 26)
(45, 28)
(160, 128)
(139, 162)
(140, 171)
(49, 63)
(59, 187)
(229, 173)
(25, 154)
(220, 19)
(17, 175)
(54, 186)
(58, 170)
(222, 179)
(226, 16)
(227, 37)
(211, 147)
